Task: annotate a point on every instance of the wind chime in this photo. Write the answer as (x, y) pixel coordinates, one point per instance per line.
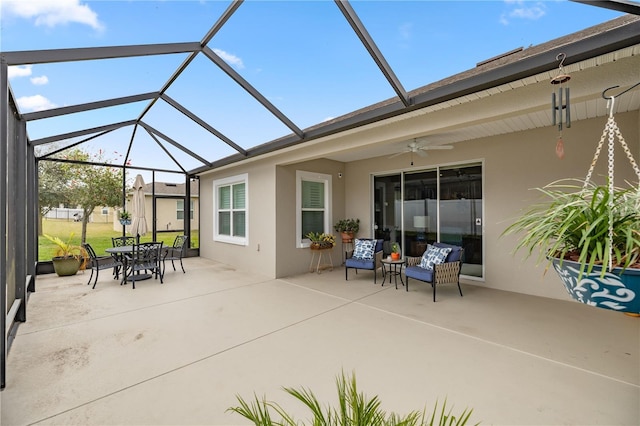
(560, 103)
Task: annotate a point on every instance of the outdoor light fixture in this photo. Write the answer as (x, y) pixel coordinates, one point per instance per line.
(560, 103)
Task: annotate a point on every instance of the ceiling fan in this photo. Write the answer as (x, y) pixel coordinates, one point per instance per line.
(415, 148)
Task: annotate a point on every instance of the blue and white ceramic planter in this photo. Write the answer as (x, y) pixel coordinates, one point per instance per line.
(616, 290)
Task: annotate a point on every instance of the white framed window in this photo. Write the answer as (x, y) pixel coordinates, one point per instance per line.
(180, 209)
(105, 211)
(231, 207)
(313, 205)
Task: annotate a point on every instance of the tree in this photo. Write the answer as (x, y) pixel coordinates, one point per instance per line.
(84, 185)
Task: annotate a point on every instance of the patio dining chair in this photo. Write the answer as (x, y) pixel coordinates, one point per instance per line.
(121, 242)
(144, 262)
(176, 252)
(98, 263)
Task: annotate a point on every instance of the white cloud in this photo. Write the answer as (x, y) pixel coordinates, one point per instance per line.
(19, 71)
(34, 103)
(523, 10)
(405, 31)
(40, 81)
(53, 12)
(230, 58)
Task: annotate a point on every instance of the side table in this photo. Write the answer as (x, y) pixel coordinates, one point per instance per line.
(393, 268)
(321, 253)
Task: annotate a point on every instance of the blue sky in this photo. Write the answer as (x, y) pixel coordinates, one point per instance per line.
(301, 55)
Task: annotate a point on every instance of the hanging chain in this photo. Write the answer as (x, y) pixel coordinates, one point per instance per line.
(611, 131)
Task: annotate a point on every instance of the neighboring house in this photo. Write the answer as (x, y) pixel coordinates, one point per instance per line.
(503, 142)
(170, 211)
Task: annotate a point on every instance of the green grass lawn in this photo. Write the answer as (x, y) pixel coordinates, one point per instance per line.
(98, 235)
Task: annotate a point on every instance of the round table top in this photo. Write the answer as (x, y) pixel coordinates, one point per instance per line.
(389, 260)
(121, 249)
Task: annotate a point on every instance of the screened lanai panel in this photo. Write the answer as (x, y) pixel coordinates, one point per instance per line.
(145, 151)
(304, 57)
(80, 121)
(427, 41)
(109, 23)
(224, 105)
(110, 148)
(73, 83)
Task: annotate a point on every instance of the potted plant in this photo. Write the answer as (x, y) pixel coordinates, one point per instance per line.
(124, 217)
(69, 258)
(395, 251)
(591, 235)
(348, 228)
(321, 241)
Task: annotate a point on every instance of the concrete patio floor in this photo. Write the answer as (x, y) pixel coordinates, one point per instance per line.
(178, 353)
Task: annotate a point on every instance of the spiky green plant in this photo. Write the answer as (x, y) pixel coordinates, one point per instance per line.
(573, 223)
(354, 409)
(66, 249)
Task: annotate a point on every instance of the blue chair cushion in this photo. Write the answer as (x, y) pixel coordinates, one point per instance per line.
(454, 255)
(434, 256)
(364, 249)
(419, 273)
(359, 263)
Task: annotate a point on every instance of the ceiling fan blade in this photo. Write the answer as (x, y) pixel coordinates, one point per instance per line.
(437, 147)
(397, 154)
(421, 153)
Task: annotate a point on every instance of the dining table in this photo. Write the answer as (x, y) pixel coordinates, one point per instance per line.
(122, 251)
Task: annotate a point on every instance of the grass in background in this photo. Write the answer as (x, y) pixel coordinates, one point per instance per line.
(98, 235)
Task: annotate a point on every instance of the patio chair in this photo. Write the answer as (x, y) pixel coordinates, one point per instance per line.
(98, 263)
(176, 252)
(144, 262)
(366, 254)
(121, 242)
(441, 263)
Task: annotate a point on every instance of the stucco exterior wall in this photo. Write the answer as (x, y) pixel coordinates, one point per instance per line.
(291, 260)
(259, 256)
(513, 164)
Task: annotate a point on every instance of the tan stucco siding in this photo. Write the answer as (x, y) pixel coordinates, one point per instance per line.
(258, 255)
(513, 163)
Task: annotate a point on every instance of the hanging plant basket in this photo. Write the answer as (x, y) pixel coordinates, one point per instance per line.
(125, 221)
(618, 289)
(590, 233)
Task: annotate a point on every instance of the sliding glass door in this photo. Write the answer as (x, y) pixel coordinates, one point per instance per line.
(461, 214)
(420, 207)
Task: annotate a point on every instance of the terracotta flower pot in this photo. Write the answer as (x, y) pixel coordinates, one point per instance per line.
(347, 237)
(395, 256)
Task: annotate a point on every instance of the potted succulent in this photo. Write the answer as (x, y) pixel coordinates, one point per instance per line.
(591, 235)
(69, 258)
(348, 228)
(124, 217)
(395, 251)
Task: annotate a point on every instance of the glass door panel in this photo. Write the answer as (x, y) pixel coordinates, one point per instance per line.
(387, 210)
(420, 211)
(461, 214)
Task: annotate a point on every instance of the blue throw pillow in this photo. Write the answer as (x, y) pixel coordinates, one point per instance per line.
(433, 256)
(363, 249)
